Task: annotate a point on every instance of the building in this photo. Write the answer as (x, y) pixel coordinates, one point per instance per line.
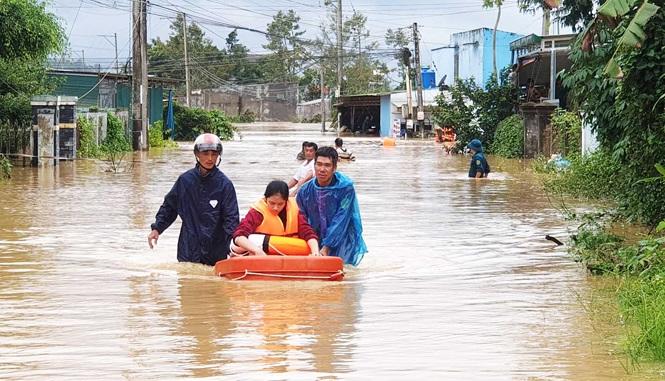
(96, 90)
(538, 60)
(382, 111)
(469, 55)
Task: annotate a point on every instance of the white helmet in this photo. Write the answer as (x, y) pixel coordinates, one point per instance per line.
(208, 142)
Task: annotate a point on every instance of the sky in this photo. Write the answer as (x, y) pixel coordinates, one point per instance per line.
(90, 24)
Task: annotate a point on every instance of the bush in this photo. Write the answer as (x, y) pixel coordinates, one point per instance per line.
(509, 137)
(567, 130)
(5, 167)
(116, 140)
(116, 145)
(593, 177)
(191, 122)
(156, 137)
(87, 144)
(246, 117)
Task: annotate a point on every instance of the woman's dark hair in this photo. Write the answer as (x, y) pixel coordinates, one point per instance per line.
(277, 187)
(339, 142)
(328, 152)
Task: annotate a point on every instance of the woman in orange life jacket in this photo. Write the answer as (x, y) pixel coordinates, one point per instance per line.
(275, 214)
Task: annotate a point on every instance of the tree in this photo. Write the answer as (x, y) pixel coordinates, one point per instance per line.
(625, 113)
(287, 48)
(631, 36)
(497, 4)
(207, 62)
(28, 35)
(400, 41)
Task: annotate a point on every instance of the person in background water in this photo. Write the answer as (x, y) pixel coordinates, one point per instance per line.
(275, 214)
(301, 155)
(305, 171)
(342, 152)
(205, 200)
(478, 167)
(331, 207)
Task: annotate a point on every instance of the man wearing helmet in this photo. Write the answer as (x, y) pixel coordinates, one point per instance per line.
(205, 200)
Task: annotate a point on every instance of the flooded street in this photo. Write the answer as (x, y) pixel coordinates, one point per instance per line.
(459, 282)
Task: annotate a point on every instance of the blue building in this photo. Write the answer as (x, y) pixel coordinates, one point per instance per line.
(469, 55)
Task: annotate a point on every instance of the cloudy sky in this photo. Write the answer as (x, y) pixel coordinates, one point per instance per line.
(90, 24)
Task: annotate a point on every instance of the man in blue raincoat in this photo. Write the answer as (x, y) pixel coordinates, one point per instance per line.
(205, 200)
(329, 202)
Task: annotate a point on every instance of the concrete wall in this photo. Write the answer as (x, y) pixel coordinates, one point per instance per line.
(308, 110)
(538, 137)
(269, 102)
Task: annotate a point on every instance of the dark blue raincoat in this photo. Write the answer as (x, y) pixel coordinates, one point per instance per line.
(208, 209)
(334, 214)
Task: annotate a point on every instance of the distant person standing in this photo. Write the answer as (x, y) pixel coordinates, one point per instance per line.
(342, 152)
(205, 200)
(478, 167)
(329, 202)
(305, 171)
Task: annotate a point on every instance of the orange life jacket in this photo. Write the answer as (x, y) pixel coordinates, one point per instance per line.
(272, 224)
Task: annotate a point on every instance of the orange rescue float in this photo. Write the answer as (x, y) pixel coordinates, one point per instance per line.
(274, 267)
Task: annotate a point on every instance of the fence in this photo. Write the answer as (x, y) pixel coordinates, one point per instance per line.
(14, 136)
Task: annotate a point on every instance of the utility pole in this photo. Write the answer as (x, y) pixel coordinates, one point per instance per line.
(184, 38)
(323, 101)
(115, 43)
(139, 76)
(338, 92)
(419, 81)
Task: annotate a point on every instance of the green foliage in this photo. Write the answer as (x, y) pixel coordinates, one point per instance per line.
(567, 130)
(87, 143)
(156, 137)
(230, 63)
(591, 177)
(5, 167)
(475, 112)
(509, 137)
(626, 114)
(286, 46)
(116, 140)
(642, 303)
(32, 34)
(191, 122)
(246, 117)
(28, 35)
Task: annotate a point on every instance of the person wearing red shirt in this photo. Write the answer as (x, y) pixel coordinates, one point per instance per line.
(275, 214)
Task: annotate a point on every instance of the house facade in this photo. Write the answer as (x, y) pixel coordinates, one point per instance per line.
(469, 55)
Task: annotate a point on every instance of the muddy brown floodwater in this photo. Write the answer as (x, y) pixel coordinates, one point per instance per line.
(459, 282)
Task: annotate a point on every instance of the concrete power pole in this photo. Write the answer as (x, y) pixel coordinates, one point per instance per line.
(115, 43)
(323, 101)
(338, 92)
(139, 76)
(184, 39)
(420, 117)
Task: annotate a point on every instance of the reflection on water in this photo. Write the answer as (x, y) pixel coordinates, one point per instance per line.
(458, 284)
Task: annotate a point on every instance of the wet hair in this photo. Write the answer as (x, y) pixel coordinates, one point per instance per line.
(304, 144)
(328, 152)
(339, 142)
(310, 145)
(277, 187)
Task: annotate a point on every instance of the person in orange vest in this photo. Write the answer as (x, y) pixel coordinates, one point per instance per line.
(275, 214)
